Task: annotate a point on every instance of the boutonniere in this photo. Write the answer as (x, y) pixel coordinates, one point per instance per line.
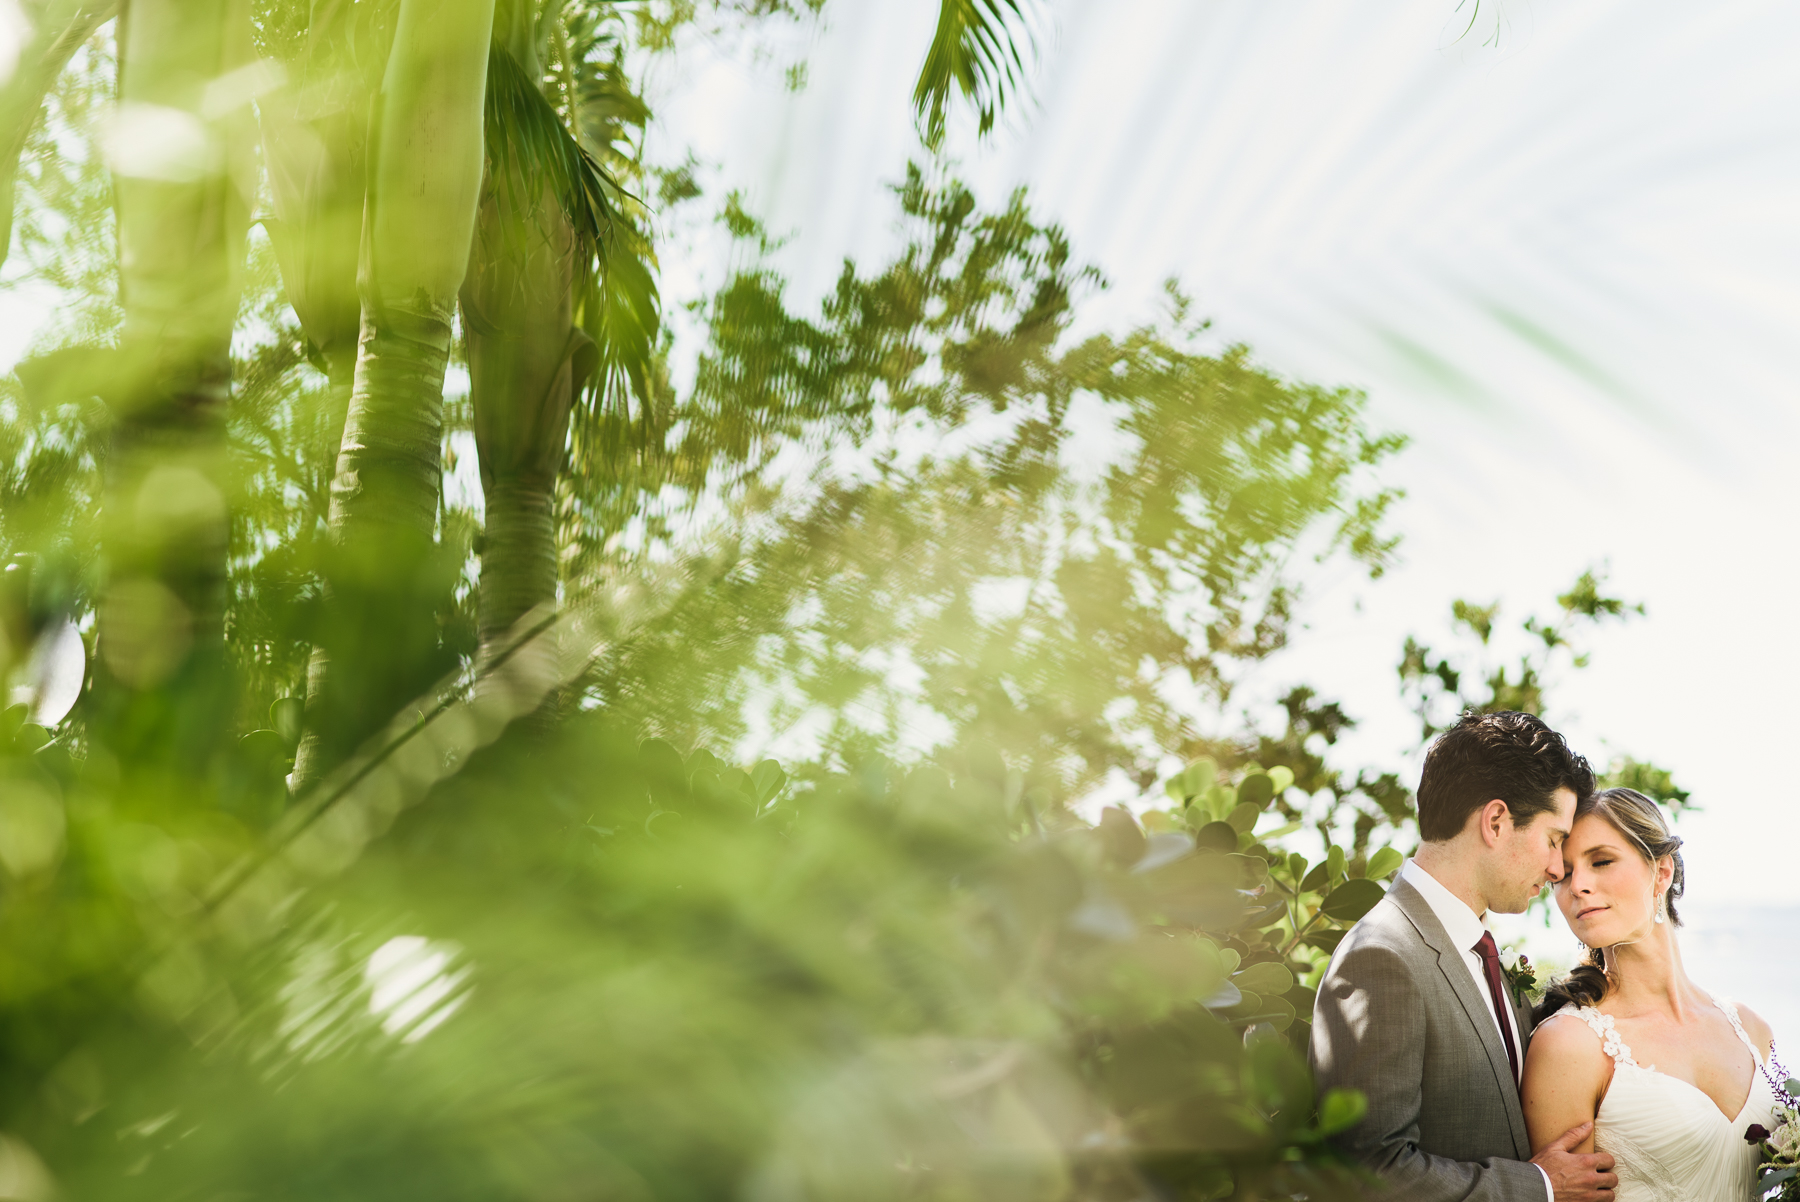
(1522, 979)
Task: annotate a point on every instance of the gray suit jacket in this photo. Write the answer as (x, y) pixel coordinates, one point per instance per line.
(1399, 1017)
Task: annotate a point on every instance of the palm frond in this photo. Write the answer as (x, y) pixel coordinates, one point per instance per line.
(618, 306)
(603, 104)
(529, 148)
(616, 300)
(977, 51)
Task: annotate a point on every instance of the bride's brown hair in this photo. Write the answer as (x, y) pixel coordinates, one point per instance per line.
(1641, 822)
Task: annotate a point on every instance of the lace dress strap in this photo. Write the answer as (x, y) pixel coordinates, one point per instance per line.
(1731, 1013)
(1602, 1025)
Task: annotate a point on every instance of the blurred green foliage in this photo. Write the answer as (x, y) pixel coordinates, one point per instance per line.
(597, 965)
(918, 537)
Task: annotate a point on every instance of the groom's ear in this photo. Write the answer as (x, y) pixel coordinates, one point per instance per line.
(1492, 821)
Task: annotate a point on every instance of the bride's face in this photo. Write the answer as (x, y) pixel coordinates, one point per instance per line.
(1608, 890)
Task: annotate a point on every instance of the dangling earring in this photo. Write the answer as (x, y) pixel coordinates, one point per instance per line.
(1662, 907)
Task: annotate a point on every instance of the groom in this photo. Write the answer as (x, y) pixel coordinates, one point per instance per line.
(1414, 1010)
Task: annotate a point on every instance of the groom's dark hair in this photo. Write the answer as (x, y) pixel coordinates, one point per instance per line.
(1507, 755)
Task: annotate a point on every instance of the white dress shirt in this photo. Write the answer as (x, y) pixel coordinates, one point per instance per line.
(1465, 928)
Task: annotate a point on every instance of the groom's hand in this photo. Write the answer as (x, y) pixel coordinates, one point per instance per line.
(1577, 1176)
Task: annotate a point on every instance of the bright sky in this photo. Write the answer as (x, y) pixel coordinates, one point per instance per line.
(1565, 265)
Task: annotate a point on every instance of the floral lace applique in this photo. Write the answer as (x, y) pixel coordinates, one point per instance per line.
(1610, 1042)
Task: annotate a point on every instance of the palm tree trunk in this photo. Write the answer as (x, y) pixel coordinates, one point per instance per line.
(425, 183)
(315, 143)
(425, 169)
(388, 469)
(518, 558)
(181, 226)
(526, 363)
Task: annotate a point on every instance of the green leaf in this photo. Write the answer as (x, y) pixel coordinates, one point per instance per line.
(1198, 890)
(1301, 999)
(1199, 777)
(1318, 879)
(1276, 1011)
(1257, 791)
(738, 781)
(1261, 917)
(1267, 977)
(767, 779)
(1336, 859)
(1296, 865)
(286, 715)
(1224, 998)
(1341, 1109)
(1282, 778)
(1243, 818)
(1325, 941)
(1383, 863)
(1280, 1079)
(1220, 836)
(1252, 870)
(1352, 899)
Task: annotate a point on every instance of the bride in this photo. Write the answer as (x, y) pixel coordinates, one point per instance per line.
(1670, 1075)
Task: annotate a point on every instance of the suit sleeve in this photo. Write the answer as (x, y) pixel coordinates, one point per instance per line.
(1369, 1034)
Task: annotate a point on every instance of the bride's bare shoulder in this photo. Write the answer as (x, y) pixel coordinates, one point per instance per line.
(1566, 1075)
(1760, 1033)
(1565, 1040)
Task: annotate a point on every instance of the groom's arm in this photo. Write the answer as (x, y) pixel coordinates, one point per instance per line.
(1369, 1034)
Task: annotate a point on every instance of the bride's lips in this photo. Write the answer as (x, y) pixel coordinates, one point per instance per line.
(1580, 914)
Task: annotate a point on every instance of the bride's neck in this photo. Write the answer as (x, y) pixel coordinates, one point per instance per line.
(1648, 973)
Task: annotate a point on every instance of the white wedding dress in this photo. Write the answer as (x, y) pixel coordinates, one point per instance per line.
(1670, 1141)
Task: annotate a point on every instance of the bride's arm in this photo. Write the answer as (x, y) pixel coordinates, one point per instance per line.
(1566, 1075)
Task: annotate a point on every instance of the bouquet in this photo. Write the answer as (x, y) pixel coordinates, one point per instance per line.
(1779, 1177)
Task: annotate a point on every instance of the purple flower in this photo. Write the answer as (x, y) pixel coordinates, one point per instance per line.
(1756, 1134)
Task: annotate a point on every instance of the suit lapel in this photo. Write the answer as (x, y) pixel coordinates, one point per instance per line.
(1474, 1002)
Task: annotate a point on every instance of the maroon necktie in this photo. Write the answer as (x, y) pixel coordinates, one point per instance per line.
(1490, 961)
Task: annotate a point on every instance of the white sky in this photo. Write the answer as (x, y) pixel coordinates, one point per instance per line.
(1565, 265)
